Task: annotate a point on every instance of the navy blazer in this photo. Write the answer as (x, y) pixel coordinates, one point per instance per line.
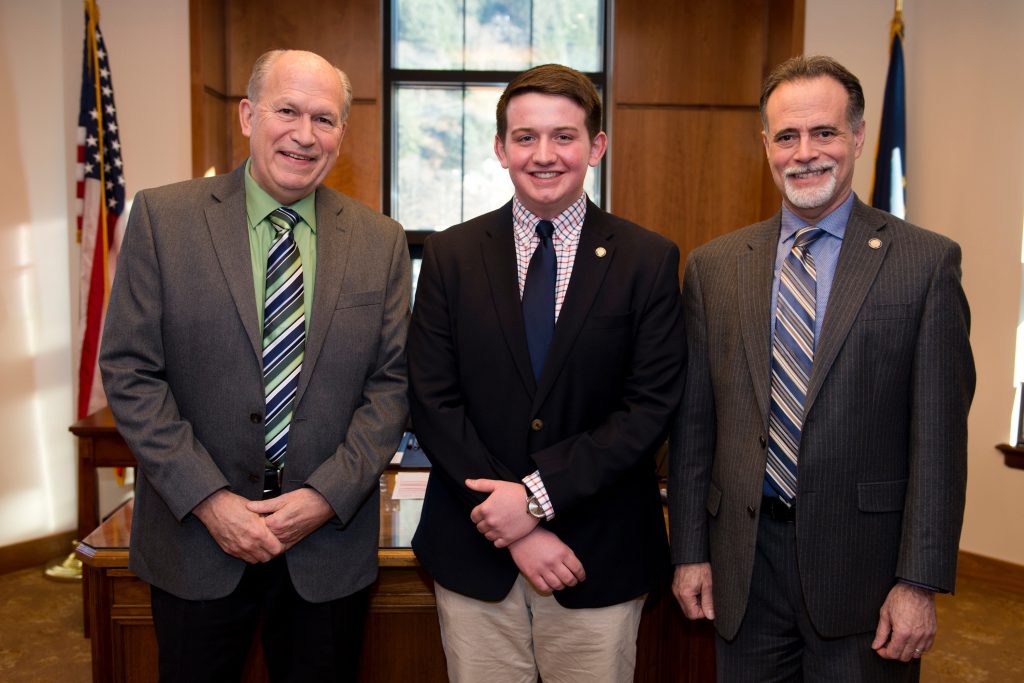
(591, 424)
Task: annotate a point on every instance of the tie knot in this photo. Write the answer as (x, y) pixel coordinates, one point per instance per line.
(283, 219)
(545, 229)
(805, 236)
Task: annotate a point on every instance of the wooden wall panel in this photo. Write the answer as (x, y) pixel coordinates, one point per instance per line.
(228, 35)
(358, 169)
(686, 154)
(207, 58)
(689, 51)
(689, 174)
(347, 34)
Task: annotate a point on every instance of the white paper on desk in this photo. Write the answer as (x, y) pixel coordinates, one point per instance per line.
(410, 485)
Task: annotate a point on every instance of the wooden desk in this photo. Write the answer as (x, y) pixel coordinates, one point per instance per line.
(402, 641)
(99, 445)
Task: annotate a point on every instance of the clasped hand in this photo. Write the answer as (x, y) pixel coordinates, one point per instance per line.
(260, 530)
(546, 562)
(502, 518)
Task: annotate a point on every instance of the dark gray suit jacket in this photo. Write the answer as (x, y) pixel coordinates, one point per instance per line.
(181, 362)
(883, 456)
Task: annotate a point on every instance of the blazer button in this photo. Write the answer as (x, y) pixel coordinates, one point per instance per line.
(537, 424)
(751, 511)
(763, 440)
(254, 478)
(255, 418)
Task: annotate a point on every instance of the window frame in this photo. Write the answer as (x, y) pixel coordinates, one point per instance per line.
(394, 77)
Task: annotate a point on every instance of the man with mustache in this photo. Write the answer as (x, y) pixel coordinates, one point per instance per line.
(818, 461)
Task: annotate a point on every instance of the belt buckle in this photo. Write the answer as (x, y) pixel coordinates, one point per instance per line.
(278, 474)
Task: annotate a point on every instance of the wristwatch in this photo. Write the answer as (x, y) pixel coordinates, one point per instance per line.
(534, 507)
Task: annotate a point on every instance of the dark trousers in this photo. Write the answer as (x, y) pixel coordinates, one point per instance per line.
(208, 640)
(777, 641)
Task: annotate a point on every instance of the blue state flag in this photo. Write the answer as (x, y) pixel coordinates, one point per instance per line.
(890, 187)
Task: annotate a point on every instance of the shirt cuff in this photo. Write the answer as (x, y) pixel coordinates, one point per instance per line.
(925, 586)
(535, 486)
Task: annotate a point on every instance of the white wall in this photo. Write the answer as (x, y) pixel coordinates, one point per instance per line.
(40, 78)
(965, 175)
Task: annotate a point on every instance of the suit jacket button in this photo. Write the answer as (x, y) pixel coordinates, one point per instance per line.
(254, 478)
(537, 424)
(751, 511)
(255, 418)
(763, 440)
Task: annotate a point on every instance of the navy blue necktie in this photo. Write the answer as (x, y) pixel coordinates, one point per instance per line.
(539, 298)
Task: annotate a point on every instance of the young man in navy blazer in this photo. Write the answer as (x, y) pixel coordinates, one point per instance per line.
(542, 524)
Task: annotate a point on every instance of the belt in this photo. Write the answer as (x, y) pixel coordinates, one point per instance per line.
(272, 478)
(774, 508)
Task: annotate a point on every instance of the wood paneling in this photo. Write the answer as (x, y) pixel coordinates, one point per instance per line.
(689, 174)
(347, 34)
(209, 137)
(358, 169)
(689, 52)
(227, 37)
(686, 153)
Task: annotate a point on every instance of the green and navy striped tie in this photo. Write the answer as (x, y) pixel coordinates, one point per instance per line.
(284, 333)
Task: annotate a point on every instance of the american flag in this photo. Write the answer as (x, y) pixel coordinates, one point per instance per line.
(101, 194)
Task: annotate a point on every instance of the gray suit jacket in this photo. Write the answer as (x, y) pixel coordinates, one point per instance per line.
(882, 463)
(181, 363)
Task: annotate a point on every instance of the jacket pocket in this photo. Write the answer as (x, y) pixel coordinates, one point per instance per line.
(881, 496)
(608, 322)
(714, 499)
(887, 312)
(367, 298)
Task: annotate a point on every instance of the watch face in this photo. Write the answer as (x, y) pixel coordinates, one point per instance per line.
(534, 507)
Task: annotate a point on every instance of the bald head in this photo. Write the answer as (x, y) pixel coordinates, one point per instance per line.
(267, 60)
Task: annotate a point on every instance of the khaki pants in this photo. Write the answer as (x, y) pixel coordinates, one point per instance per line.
(527, 633)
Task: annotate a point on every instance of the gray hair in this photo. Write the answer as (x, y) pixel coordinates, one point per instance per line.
(265, 62)
(805, 68)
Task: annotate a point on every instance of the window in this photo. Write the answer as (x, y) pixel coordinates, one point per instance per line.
(445, 66)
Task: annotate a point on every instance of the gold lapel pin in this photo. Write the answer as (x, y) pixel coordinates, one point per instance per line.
(874, 243)
(601, 252)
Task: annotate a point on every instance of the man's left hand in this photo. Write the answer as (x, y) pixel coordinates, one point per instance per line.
(502, 518)
(906, 624)
(294, 515)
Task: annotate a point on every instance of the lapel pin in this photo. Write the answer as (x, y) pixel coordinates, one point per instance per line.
(874, 243)
(601, 252)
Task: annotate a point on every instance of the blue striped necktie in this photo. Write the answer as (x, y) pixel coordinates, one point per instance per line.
(284, 333)
(792, 358)
(539, 298)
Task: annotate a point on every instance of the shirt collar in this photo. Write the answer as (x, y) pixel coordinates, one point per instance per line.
(568, 224)
(259, 204)
(834, 223)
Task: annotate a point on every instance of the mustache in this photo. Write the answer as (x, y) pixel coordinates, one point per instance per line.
(809, 168)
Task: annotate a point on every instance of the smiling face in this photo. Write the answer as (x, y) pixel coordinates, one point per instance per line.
(811, 146)
(547, 151)
(295, 126)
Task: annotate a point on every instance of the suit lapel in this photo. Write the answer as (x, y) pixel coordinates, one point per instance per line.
(499, 255)
(855, 272)
(754, 271)
(228, 225)
(588, 271)
(332, 249)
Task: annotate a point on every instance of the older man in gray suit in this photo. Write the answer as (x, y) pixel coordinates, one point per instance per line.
(254, 360)
(818, 463)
